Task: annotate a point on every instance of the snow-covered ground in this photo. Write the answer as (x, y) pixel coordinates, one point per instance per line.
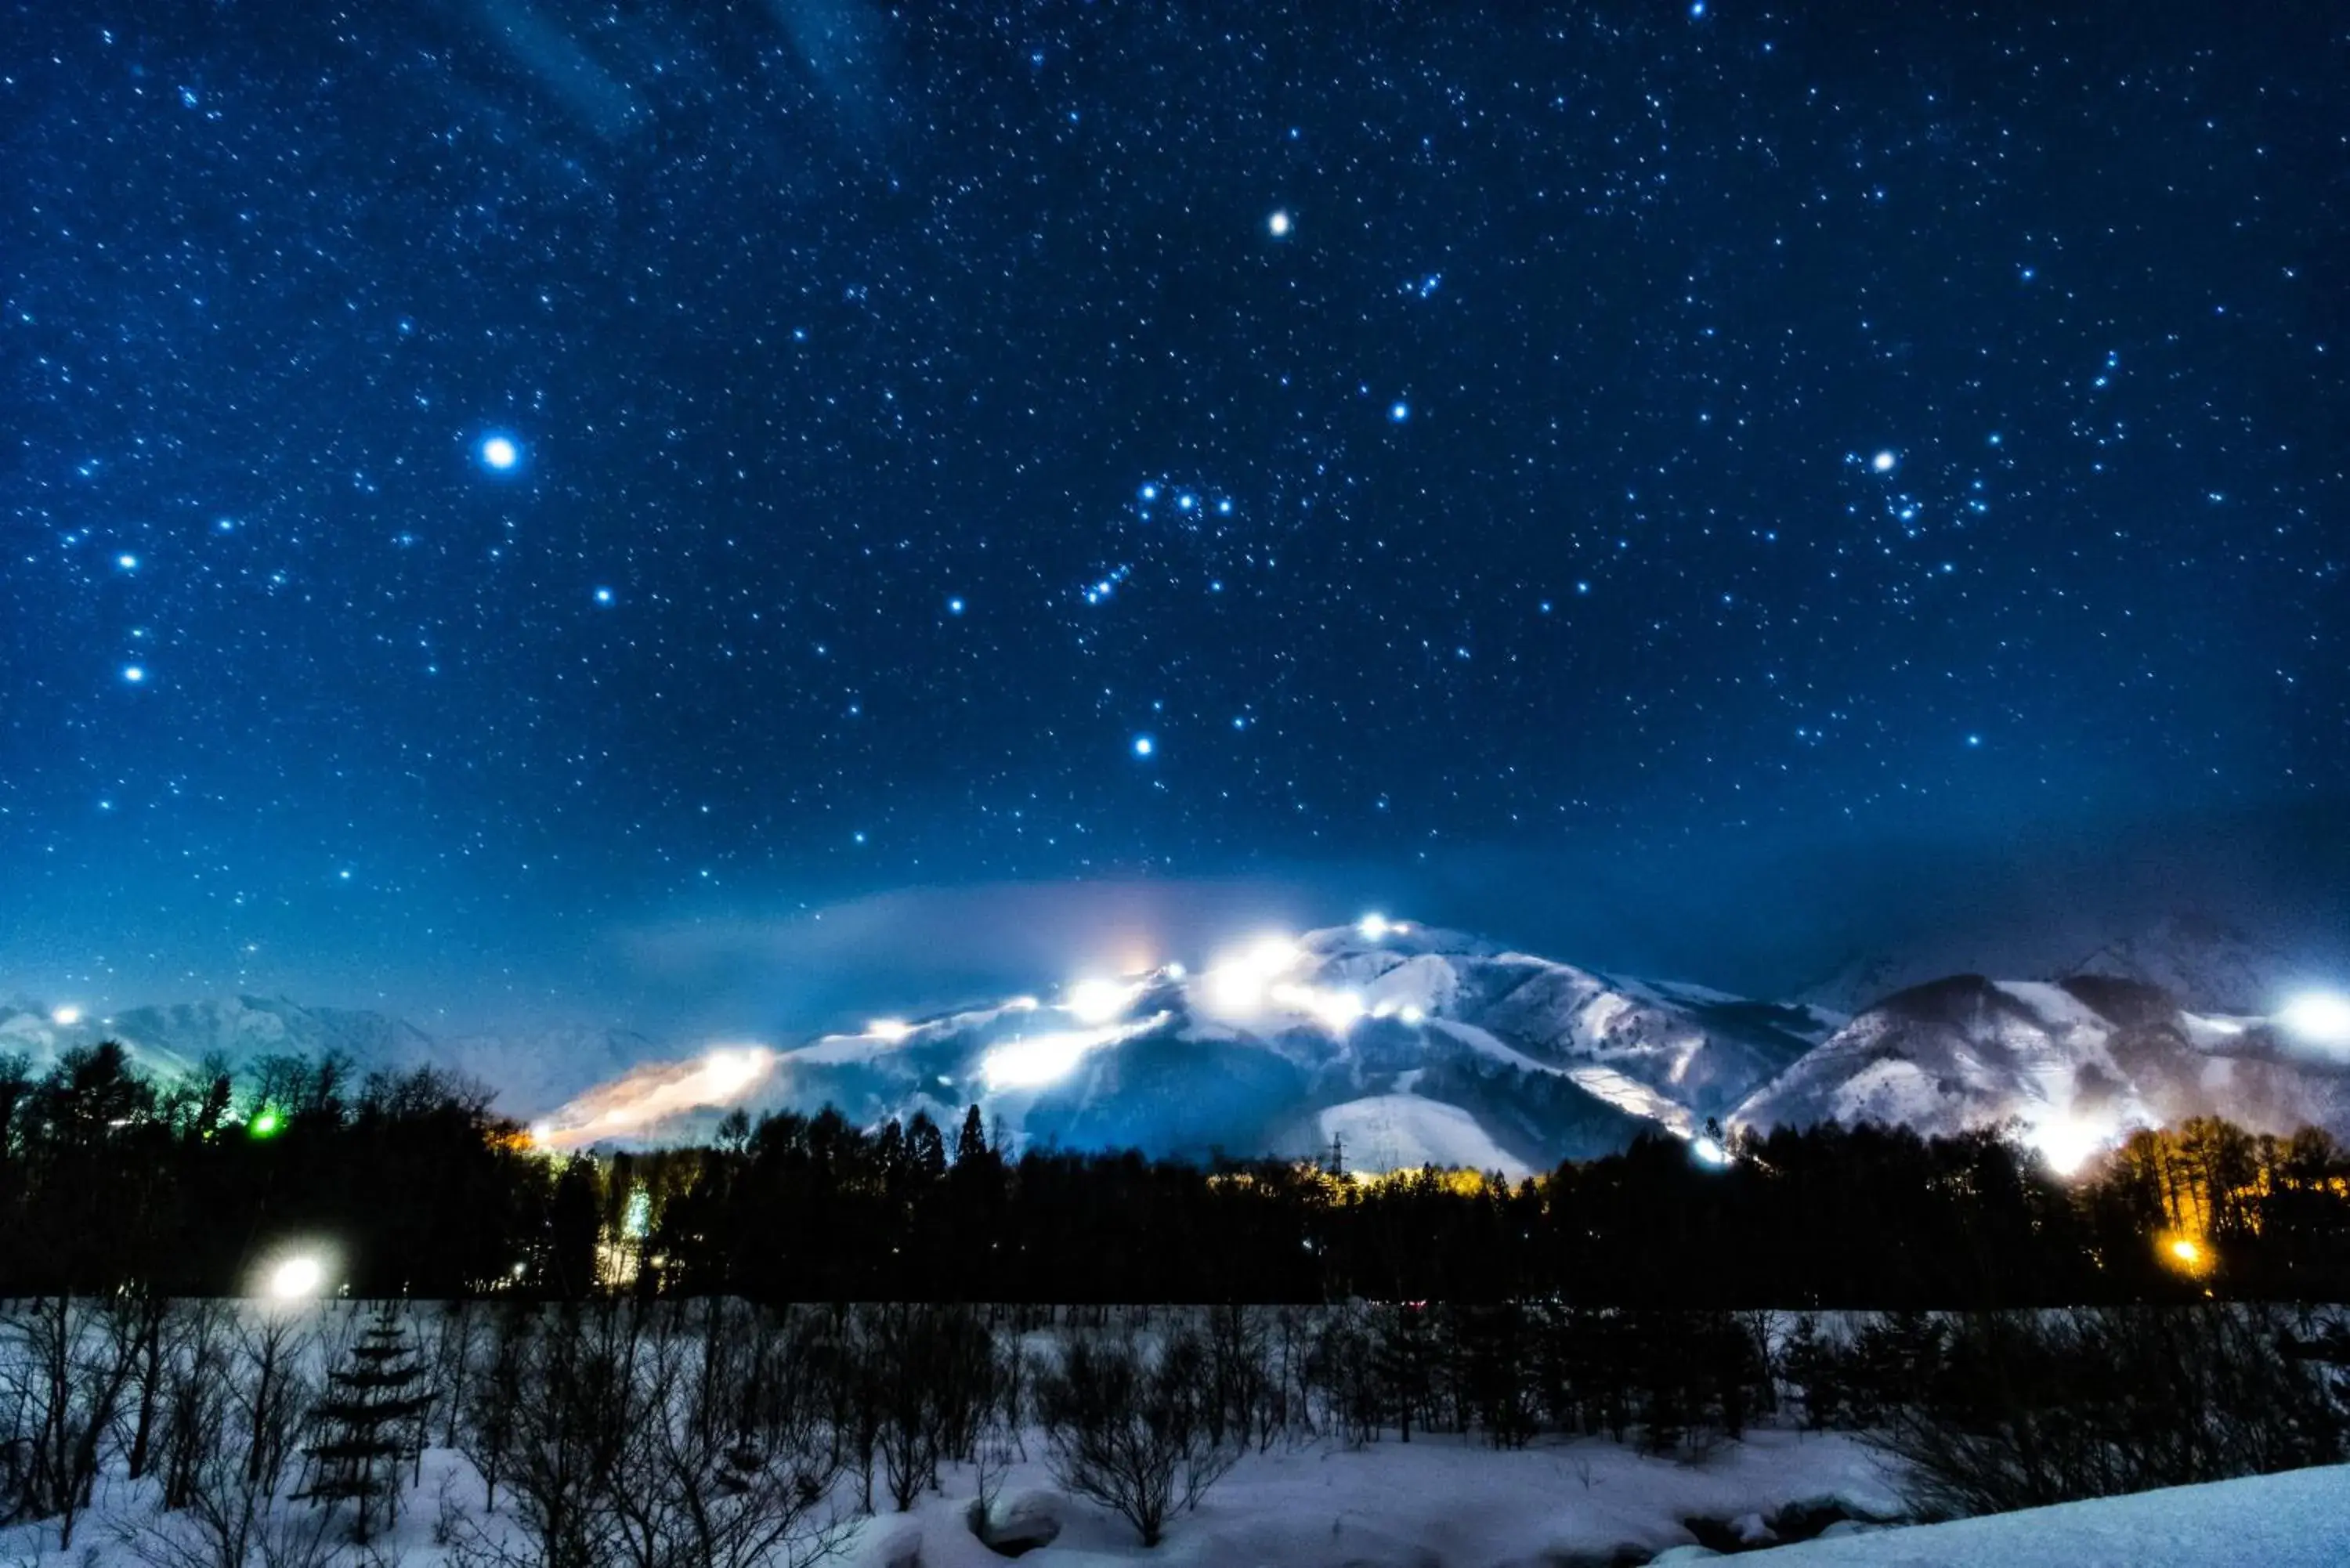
(1435, 1502)
(1448, 1502)
(2297, 1519)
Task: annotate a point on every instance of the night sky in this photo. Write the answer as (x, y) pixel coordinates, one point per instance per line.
(504, 500)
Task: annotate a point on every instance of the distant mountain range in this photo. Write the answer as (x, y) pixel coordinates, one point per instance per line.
(531, 1071)
(1400, 1043)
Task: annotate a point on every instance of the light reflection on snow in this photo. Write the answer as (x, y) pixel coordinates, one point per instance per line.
(1238, 984)
(1098, 1000)
(1043, 1059)
(646, 1094)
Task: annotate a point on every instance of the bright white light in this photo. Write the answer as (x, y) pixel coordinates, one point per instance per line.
(66, 1017)
(500, 452)
(603, 596)
(1709, 1152)
(134, 673)
(1097, 1001)
(1175, 972)
(889, 1031)
(1238, 984)
(2322, 1017)
(1398, 411)
(1336, 1011)
(1022, 1004)
(1144, 745)
(1278, 225)
(729, 1073)
(1410, 1013)
(2067, 1143)
(128, 563)
(1883, 462)
(1372, 927)
(296, 1278)
(1272, 954)
(1039, 1059)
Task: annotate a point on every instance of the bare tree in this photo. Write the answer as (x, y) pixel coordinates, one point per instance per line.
(2033, 1408)
(227, 1517)
(694, 1483)
(67, 1367)
(487, 1433)
(575, 1398)
(1124, 1428)
(271, 1389)
(934, 1366)
(193, 1402)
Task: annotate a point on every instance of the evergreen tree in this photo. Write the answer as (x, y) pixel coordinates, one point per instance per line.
(370, 1420)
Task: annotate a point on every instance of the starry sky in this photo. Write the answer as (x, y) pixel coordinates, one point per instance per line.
(509, 503)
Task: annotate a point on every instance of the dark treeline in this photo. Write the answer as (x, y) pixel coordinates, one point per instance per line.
(108, 1180)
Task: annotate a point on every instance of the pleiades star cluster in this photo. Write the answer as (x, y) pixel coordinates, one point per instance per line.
(517, 466)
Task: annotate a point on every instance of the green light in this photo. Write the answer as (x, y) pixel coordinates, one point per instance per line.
(264, 1123)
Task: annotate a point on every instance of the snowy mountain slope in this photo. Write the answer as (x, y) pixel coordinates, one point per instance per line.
(2208, 965)
(1409, 1044)
(530, 1073)
(2080, 1062)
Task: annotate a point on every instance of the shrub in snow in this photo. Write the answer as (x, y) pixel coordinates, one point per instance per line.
(1127, 1426)
(2030, 1409)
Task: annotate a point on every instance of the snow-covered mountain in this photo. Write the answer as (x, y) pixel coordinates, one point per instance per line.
(1405, 1043)
(2209, 964)
(531, 1072)
(2080, 1062)
(1409, 1045)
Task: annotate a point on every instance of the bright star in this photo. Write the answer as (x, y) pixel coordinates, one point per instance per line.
(134, 673)
(128, 563)
(1883, 462)
(603, 596)
(1399, 410)
(1277, 226)
(500, 452)
(955, 605)
(1150, 493)
(1144, 745)
(66, 1017)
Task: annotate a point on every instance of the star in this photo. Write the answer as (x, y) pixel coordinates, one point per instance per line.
(1398, 411)
(500, 452)
(1883, 462)
(1278, 225)
(134, 674)
(955, 605)
(127, 561)
(603, 596)
(1144, 746)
